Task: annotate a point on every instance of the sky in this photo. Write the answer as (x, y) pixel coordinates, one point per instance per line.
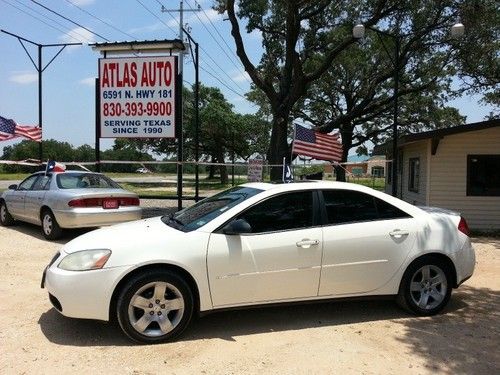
(68, 82)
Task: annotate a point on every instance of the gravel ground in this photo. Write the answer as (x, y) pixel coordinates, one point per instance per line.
(370, 337)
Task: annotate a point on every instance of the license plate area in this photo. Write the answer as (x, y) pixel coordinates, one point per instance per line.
(110, 204)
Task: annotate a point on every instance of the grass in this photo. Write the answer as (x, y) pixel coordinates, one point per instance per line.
(13, 176)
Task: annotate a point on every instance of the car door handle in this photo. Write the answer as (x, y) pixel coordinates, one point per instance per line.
(306, 243)
(398, 233)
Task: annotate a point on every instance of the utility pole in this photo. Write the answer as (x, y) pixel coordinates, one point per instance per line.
(180, 64)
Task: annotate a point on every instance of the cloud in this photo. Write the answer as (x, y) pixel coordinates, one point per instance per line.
(78, 34)
(147, 29)
(24, 78)
(90, 81)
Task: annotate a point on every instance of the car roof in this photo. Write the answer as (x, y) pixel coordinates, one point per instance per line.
(306, 185)
(68, 171)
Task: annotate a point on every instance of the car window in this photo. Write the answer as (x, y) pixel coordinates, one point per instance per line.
(28, 183)
(347, 206)
(85, 181)
(283, 212)
(388, 211)
(208, 209)
(42, 183)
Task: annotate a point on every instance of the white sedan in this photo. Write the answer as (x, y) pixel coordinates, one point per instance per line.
(72, 199)
(258, 244)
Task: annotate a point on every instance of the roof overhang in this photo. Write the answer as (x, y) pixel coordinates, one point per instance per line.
(146, 46)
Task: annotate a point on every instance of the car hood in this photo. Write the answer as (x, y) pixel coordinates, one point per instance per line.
(134, 236)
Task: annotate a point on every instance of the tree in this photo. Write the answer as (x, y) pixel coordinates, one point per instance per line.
(301, 39)
(223, 133)
(357, 93)
(478, 55)
(304, 41)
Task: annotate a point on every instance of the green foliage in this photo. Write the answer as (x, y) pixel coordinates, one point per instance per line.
(314, 69)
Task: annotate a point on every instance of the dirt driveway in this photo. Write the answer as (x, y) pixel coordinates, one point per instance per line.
(345, 337)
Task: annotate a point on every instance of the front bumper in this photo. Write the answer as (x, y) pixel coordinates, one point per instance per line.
(96, 216)
(82, 294)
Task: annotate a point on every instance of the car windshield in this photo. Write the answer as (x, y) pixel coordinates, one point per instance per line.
(75, 180)
(201, 213)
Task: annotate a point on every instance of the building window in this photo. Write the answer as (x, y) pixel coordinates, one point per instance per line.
(483, 175)
(414, 174)
(377, 171)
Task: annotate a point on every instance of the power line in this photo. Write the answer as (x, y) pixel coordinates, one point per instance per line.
(69, 20)
(201, 47)
(53, 20)
(155, 16)
(38, 19)
(238, 67)
(222, 82)
(101, 20)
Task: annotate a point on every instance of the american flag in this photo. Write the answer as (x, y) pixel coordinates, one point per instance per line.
(9, 130)
(319, 146)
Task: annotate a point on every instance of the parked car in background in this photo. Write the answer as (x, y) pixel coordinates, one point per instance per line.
(142, 170)
(258, 244)
(71, 199)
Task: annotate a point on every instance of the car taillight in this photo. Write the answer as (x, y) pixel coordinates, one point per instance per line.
(98, 202)
(129, 201)
(463, 227)
(85, 202)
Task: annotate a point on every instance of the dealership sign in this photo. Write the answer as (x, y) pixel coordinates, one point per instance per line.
(137, 97)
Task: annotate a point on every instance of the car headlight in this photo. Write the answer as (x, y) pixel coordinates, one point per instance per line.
(85, 260)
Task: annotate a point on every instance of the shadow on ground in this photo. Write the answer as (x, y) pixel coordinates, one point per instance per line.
(36, 232)
(456, 330)
(464, 340)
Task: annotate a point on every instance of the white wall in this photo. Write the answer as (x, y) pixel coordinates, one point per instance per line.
(448, 181)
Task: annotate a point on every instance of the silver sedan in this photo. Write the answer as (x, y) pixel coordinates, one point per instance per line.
(71, 199)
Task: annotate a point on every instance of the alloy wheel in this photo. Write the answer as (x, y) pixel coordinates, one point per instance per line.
(156, 309)
(428, 287)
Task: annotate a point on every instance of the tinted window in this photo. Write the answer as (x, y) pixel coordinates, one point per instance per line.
(283, 212)
(208, 209)
(388, 211)
(483, 175)
(85, 181)
(42, 183)
(28, 183)
(345, 206)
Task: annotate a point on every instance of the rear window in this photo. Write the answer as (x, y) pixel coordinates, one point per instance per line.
(85, 181)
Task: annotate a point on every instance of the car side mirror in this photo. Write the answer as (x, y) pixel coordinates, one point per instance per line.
(236, 227)
(13, 187)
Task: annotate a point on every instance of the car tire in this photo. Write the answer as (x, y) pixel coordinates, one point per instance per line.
(50, 228)
(5, 217)
(426, 287)
(155, 307)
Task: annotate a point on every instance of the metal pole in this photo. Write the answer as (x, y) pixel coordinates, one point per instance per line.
(395, 123)
(197, 124)
(97, 125)
(179, 110)
(40, 70)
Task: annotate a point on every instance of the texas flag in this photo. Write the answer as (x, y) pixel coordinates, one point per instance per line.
(54, 166)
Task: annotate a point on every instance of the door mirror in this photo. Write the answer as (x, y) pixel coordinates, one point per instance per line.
(235, 227)
(13, 187)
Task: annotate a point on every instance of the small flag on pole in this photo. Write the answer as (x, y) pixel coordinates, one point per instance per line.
(287, 172)
(317, 145)
(9, 129)
(54, 166)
